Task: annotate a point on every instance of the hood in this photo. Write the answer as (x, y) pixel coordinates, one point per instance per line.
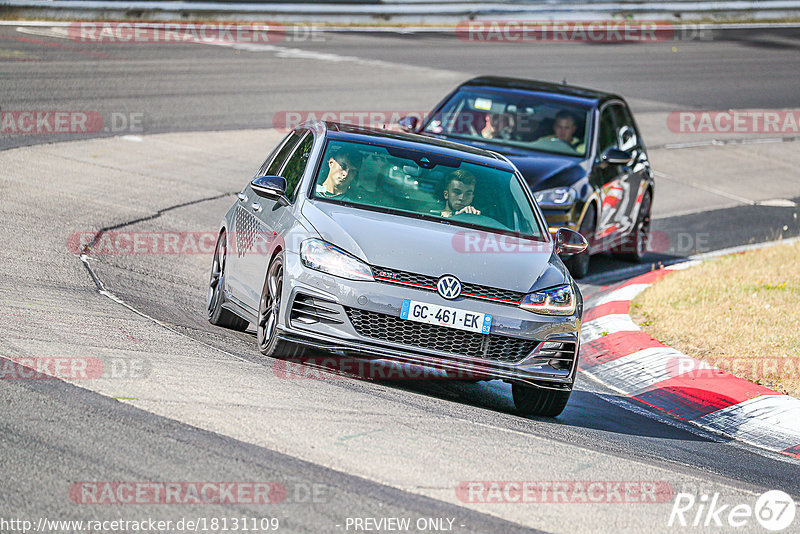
(545, 172)
(432, 248)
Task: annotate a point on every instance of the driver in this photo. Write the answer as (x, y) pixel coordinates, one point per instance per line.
(564, 130)
(458, 193)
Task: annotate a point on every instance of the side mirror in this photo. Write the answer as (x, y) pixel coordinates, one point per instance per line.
(615, 156)
(408, 124)
(273, 187)
(569, 242)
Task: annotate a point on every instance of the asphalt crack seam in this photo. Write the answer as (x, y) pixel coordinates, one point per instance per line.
(103, 290)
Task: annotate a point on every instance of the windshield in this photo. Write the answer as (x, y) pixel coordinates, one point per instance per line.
(420, 184)
(528, 121)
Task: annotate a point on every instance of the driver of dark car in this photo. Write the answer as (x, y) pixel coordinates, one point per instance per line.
(564, 129)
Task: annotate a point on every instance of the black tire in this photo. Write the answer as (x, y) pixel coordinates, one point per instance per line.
(217, 315)
(635, 246)
(534, 401)
(269, 309)
(578, 264)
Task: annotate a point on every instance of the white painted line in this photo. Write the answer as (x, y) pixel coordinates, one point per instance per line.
(608, 324)
(723, 142)
(281, 52)
(744, 248)
(707, 189)
(769, 421)
(624, 293)
(777, 203)
(683, 265)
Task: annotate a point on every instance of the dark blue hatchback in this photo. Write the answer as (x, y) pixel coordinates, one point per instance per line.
(579, 150)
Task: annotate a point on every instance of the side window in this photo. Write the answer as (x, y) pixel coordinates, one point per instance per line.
(607, 135)
(296, 165)
(271, 167)
(628, 140)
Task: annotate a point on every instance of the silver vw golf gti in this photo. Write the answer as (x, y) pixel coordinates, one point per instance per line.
(397, 247)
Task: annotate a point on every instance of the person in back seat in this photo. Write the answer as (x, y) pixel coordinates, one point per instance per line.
(498, 126)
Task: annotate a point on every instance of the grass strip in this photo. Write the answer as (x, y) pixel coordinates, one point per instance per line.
(740, 313)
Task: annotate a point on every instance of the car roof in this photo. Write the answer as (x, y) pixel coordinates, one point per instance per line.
(349, 132)
(501, 82)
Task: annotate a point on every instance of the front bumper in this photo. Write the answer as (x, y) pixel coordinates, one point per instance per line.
(319, 307)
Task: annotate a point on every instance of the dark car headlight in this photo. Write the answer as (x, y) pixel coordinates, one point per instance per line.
(559, 197)
(321, 256)
(559, 300)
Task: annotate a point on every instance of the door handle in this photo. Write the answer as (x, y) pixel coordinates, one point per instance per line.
(242, 197)
(256, 207)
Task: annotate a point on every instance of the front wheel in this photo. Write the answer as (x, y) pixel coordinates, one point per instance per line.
(534, 401)
(269, 310)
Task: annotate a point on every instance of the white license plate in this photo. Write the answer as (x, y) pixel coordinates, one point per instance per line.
(424, 312)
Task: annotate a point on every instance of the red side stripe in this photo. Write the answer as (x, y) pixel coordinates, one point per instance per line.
(793, 451)
(697, 393)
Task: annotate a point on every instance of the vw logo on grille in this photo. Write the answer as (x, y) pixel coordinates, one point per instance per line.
(449, 287)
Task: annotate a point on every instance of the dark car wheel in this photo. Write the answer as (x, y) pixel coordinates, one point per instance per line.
(217, 315)
(578, 264)
(635, 246)
(269, 310)
(534, 401)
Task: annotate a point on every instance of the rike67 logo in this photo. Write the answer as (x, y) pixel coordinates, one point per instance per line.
(773, 510)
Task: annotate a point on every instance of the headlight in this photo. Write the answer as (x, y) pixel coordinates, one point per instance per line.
(321, 256)
(558, 300)
(560, 197)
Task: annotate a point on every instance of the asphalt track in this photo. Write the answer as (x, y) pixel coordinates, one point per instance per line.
(208, 408)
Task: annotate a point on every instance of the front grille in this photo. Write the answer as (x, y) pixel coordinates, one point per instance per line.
(427, 336)
(428, 283)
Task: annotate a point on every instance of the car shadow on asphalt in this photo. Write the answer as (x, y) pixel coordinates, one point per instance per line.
(587, 410)
(597, 411)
